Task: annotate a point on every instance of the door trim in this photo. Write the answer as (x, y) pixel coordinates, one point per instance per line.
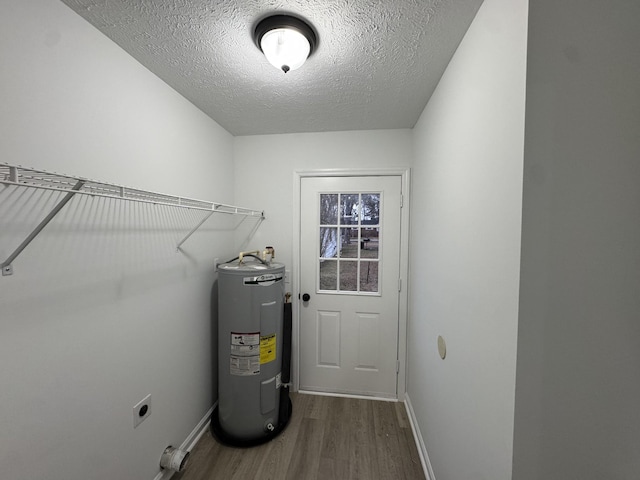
(405, 174)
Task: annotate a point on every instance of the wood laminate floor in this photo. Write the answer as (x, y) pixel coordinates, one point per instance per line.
(327, 438)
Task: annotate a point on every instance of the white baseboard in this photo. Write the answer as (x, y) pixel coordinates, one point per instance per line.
(197, 432)
(422, 449)
(190, 441)
(346, 395)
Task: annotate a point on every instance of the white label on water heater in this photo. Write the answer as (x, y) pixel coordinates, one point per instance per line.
(262, 280)
(245, 338)
(244, 365)
(245, 354)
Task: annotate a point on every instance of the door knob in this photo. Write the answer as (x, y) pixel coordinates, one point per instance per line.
(306, 297)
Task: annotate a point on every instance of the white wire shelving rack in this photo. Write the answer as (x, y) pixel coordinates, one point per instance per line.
(20, 176)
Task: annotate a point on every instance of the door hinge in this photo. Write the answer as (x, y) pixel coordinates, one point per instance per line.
(399, 284)
(401, 200)
(397, 366)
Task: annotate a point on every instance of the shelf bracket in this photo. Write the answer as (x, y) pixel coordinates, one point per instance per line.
(6, 266)
(194, 229)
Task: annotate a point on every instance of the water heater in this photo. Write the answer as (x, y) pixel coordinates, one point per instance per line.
(250, 351)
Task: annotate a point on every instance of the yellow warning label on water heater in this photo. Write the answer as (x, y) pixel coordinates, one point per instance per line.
(267, 348)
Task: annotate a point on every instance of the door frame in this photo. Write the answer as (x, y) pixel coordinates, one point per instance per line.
(405, 174)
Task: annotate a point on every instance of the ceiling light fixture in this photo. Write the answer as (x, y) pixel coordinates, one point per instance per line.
(286, 41)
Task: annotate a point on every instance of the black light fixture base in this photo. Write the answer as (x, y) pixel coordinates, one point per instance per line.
(285, 21)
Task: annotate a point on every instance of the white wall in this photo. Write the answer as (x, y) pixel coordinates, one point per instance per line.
(578, 386)
(101, 310)
(465, 249)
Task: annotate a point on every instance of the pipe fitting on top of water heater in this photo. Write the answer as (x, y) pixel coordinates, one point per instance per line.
(242, 254)
(267, 251)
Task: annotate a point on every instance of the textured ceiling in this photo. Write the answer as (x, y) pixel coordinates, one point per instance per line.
(376, 65)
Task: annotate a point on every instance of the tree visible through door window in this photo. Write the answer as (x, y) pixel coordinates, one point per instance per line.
(349, 242)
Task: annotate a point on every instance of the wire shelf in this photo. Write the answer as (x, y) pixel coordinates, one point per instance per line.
(29, 177)
(73, 185)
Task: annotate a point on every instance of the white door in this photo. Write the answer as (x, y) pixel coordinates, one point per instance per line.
(350, 268)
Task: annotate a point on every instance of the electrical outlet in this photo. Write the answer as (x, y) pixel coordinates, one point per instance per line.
(141, 411)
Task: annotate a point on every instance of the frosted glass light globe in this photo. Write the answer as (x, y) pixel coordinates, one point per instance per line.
(285, 48)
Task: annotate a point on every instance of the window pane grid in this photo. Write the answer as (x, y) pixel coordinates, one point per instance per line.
(349, 234)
